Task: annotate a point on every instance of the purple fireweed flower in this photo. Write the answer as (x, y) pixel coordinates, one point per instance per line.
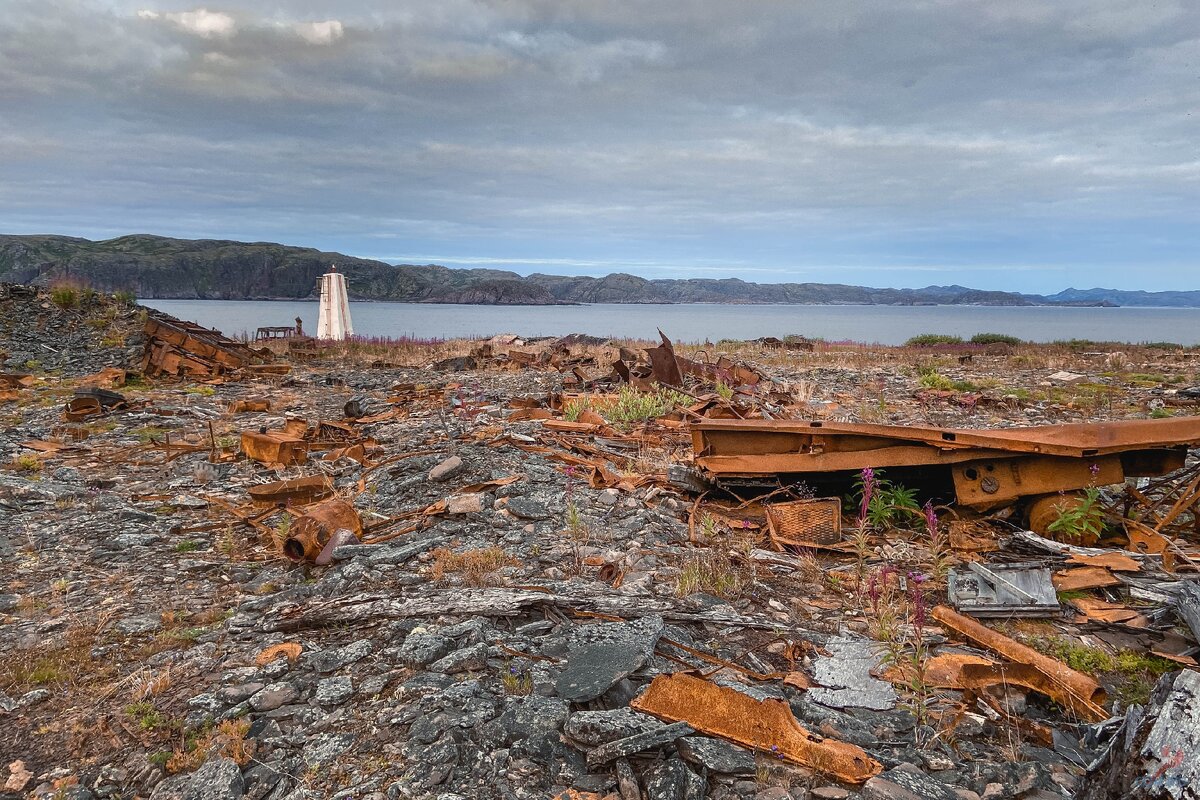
(868, 491)
(916, 599)
(931, 520)
(1095, 470)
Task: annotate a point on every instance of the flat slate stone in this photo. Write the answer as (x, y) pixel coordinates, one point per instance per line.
(846, 675)
(717, 755)
(638, 743)
(598, 656)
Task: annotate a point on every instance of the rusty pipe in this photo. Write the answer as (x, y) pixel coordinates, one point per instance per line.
(314, 528)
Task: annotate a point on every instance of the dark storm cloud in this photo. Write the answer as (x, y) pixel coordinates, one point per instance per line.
(907, 142)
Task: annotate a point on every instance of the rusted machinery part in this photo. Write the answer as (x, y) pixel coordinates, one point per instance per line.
(312, 530)
(1045, 510)
(1082, 440)
(765, 725)
(294, 491)
(1072, 690)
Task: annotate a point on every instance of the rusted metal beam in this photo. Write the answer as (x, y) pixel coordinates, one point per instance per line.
(274, 448)
(1072, 690)
(294, 491)
(765, 725)
(1082, 440)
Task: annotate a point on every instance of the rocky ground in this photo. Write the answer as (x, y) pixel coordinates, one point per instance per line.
(152, 646)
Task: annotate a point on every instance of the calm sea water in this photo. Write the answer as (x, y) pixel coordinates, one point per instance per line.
(695, 323)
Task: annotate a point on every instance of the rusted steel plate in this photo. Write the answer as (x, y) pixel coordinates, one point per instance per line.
(1078, 440)
(1069, 580)
(295, 491)
(1070, 689)
(765, 725)
(274, 448)
(995, 482)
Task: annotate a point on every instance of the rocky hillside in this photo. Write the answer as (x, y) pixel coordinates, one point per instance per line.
(159, 267)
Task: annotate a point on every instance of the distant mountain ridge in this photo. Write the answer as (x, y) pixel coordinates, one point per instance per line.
(161, 267)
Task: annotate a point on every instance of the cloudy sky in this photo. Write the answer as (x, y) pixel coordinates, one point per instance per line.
(1021, 144)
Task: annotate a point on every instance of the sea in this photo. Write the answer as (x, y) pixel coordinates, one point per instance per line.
(708, 323)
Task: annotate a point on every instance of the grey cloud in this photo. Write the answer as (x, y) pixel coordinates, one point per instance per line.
(705, 129)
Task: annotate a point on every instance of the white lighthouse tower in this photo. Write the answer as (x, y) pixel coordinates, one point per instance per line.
(333, 320)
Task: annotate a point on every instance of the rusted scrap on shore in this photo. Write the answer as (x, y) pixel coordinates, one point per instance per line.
(985, 469)
(291, 492)
(185, 349)
(316, 527)
(274, 447)
(1072, 690)
(764, 725)
(89, 402)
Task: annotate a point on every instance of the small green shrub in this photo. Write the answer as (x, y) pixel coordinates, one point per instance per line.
(994, 338)
(65, 295)
(124, 297)
(1079, 522)
(933, 340)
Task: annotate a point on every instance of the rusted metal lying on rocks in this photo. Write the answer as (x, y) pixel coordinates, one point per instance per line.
(802, 523)
(765, 725)
(178, 348)
(294, 491)
(1072, 690)
(316, 526)
(88, 402)
(273, 447)
(988, 468)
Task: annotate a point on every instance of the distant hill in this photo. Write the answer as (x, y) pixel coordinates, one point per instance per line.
(160, 267)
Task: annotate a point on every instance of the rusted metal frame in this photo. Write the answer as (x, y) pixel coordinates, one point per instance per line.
(251, 520)
(842, 461)
(1079, 440)
(1072, 690)
(1170, 484)
(1186, 501)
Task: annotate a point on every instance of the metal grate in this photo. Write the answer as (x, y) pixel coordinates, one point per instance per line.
(818, 521)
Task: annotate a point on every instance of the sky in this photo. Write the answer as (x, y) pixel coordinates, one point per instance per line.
(1020, 145)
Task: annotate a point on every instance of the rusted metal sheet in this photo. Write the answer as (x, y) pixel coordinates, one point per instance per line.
(664, 366)
(274, 448)
(16, 380)
(765, 725)
(317, 525)
(1072, 690)
(295, 491)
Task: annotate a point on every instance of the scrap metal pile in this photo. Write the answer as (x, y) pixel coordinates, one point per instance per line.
(752, 484)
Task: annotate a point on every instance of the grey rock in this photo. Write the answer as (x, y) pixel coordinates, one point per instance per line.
(906, 784)
(333, 691)
(846, 675)
(447, 469)
(829, 793)
(123, 541)
(598, 656)
(336, 658)
(638, 743)
(273, 696)
(217, 779)
(473, 658)
(593, 728)
(672, 780)
(144, 623)
(421, 648)
(527, 508)
(231, 695)
(533, 715)
(716, 755)
(33, 697)
(324, 748)
(9, 601)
